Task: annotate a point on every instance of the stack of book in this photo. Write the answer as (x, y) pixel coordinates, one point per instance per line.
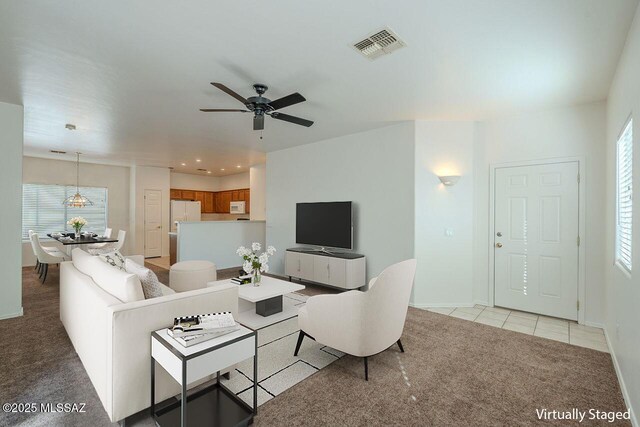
(191, 330)
(241, 280)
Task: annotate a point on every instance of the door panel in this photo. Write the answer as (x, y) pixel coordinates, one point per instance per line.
(152, 223)
(535, 245)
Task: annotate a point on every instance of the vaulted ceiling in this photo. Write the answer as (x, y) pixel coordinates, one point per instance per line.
(132, 75)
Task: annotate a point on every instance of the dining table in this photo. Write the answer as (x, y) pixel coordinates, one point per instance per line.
(70, 243)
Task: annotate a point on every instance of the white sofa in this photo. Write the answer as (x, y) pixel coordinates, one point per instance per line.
(112, 338)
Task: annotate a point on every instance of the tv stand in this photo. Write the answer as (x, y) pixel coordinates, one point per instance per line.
(345, 270)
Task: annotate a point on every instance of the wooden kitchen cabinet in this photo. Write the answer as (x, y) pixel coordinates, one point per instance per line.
(226, 201)
(217, 201)
(209, 205)
(175, 194)
(235, 195)
(199, 197)
(188, 195)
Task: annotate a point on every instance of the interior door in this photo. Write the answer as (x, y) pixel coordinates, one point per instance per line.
(152, 223)
(536, 238)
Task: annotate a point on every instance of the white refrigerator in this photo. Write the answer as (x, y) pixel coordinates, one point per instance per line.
(184, 212)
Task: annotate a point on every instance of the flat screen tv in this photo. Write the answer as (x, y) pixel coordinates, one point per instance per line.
(326, 224)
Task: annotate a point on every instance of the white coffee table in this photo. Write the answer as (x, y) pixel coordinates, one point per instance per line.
(264, 305)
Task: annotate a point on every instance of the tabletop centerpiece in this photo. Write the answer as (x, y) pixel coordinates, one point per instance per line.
(77, 223)
(255, 264)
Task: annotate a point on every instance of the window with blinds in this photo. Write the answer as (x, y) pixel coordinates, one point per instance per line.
(624, 208)
(43, 211)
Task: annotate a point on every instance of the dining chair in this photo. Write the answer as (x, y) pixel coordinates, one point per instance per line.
(53, 251)
(107, 234)
(45, 256)
(110, 247)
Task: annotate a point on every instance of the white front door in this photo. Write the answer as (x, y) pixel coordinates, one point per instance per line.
(152, 223)
(536, 238)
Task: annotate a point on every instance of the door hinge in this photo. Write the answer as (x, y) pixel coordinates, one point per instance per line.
(578, 178)
(578, 240)
(578, 305)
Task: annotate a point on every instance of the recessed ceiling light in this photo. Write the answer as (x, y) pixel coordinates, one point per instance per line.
(183, 164)
(198, 160)
(70, 126)
(238, 166)
(208, 171)
(222, 169)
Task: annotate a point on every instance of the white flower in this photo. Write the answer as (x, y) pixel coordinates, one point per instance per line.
(263, 259)
(256, 246)
(264, 268)
(77, 221)
(271, 250)
(241, 250)
(247, 267)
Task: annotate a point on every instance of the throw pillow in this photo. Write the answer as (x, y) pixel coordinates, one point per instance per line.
(114, 259)
(150, 283)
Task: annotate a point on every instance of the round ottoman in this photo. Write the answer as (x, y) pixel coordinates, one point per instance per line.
(189, 275)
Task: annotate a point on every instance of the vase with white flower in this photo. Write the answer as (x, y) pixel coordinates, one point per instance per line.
(254, 263)
(77, 223)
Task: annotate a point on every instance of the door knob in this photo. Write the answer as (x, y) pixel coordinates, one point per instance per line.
(498, 245)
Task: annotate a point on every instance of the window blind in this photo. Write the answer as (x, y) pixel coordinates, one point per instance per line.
(43, 211)
(624, 192)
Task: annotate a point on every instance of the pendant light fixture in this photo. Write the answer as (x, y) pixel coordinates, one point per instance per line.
(77, 200)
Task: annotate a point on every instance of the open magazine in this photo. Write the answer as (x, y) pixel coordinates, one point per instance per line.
(190, 330)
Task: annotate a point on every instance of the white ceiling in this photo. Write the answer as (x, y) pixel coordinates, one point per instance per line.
(132, 75)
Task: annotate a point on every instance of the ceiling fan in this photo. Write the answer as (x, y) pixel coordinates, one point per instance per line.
(261, 106)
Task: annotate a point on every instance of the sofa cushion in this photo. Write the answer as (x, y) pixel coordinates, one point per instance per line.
(151, 286)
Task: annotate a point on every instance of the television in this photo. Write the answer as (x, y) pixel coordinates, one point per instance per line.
(325, 224)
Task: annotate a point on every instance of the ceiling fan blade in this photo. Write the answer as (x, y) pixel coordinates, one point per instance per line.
(285, 101)
(292, 119)
(258, 122)
(229, 92)
(215, 110)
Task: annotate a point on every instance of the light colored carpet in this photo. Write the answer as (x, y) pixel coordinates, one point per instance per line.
(457, 373)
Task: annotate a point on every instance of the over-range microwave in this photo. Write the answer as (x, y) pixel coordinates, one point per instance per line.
(237, 208)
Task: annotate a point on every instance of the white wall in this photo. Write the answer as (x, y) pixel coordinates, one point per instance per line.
(258, 187)
(11, 131)
(148, 178)
(568, 132)
(189, 181)
(218, 241)
(374, 169)
(63, 172)
(235, 181)
(622, 290)
(444, 274)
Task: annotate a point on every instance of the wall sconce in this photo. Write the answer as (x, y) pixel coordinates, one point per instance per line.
(449, 180)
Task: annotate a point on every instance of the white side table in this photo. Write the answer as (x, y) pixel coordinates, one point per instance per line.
(214, 405)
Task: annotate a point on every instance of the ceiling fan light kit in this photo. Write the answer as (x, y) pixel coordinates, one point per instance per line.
(261, 106)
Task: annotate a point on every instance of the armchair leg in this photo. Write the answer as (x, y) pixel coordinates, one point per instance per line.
(300, 338)
(46, 270)
(366, 369)
(37, 265)
(400, 345)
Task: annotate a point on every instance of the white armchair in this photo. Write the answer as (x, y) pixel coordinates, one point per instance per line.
(361, 323)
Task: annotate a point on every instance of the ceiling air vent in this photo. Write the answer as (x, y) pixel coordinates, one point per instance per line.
(58, 152)
(379, 43)
(202, 170)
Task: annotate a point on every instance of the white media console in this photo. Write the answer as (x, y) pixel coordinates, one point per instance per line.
(341, 270)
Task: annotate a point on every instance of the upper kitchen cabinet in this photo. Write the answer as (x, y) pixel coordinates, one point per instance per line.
(188, 194)
(209, 205)
(175, 194)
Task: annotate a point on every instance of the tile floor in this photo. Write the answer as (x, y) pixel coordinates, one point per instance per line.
(532, 324)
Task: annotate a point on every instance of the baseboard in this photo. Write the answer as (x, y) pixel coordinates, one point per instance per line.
(486, 303)
(442, 305)
(623, 387)
(594, 324)
(12, 315)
